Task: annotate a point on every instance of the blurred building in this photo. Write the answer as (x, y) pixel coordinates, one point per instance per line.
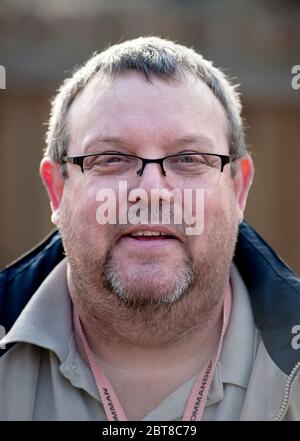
(257, 42)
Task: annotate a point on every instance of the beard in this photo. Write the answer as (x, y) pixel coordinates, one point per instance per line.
(142, 289)
(160, 306)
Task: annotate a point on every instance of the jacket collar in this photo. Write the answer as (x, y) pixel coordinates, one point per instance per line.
(274, 293)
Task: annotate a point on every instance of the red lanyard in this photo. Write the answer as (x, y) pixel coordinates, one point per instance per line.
(196, 402)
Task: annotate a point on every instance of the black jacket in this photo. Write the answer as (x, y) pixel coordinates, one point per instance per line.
(274, 289)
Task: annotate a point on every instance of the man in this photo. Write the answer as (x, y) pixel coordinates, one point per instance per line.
(140, 320)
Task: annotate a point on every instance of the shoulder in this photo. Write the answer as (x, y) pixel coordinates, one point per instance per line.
(20, 280)
(272, 394)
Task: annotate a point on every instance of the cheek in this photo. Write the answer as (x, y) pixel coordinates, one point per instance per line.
(220, 215)
(213, 209)
(220, 204)
(80, 208)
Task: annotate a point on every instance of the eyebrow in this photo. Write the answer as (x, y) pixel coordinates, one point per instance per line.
(121, 143)
(198, 139)
(113, 140)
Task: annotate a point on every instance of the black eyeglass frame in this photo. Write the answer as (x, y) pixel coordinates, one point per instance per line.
(78, 160)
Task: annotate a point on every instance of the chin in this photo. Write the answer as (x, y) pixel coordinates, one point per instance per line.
(150, 289)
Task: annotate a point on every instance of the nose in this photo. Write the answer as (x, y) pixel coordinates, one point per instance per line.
(159, 190)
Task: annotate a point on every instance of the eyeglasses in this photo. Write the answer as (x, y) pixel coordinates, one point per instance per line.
(208, 166)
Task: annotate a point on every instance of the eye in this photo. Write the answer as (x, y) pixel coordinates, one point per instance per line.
(105, 161)
(188, 159)
(110, 163)
(198, 160)
(113, 159)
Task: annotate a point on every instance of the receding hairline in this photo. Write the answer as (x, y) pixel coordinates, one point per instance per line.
(186, 79)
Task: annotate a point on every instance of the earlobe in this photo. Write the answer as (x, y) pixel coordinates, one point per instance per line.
(55, 217)
(242, 181)
(54, 183)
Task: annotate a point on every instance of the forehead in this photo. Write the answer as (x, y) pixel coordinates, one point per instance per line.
(147, 113)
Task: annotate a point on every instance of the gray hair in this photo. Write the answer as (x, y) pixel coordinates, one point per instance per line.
(151, 56)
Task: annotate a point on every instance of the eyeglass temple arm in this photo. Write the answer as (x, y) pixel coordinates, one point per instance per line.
(77, 160)
(225, 159)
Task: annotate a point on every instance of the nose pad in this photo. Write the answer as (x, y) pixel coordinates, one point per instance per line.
(140, 171)
(163, 170)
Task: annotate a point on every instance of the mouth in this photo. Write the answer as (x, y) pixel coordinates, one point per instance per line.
(154, 234)
(150, 236)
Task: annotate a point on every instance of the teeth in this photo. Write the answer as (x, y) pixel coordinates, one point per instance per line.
(148, 233)
(138, 233)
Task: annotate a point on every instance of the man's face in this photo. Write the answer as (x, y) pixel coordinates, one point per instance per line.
(152, 120)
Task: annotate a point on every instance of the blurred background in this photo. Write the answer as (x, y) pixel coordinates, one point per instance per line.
(257, 42)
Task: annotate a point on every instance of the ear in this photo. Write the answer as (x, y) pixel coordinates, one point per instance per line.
(50, 172)
(242, 181)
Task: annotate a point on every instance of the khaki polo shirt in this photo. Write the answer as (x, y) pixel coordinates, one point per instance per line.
(43, 377)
